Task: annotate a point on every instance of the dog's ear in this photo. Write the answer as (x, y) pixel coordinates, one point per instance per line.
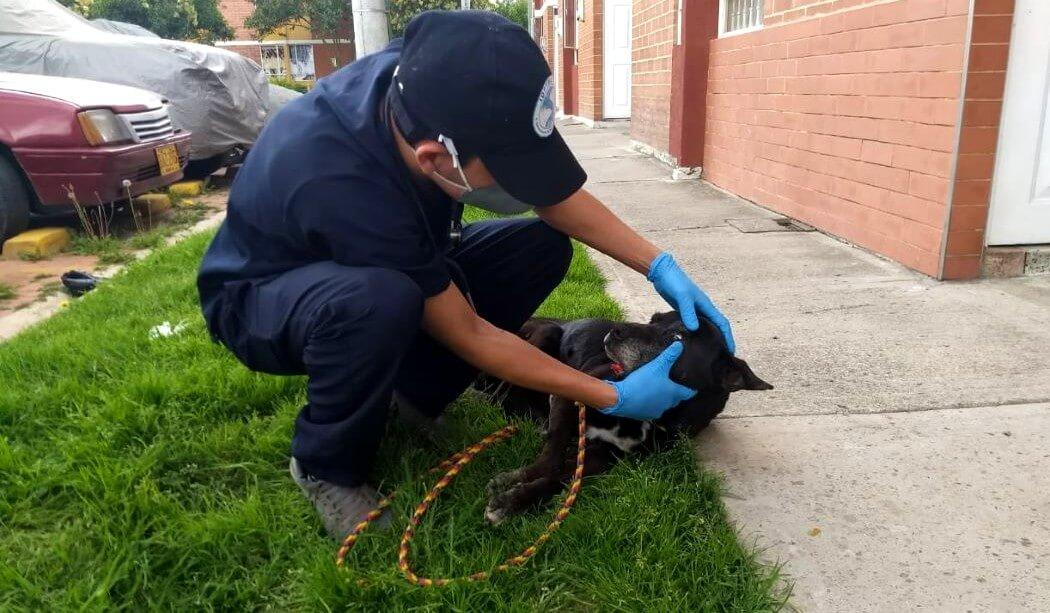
(543, 334)
(664, 320)
(740, 377)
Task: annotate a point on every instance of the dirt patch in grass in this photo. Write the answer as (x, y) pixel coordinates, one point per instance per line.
(27, 280)
(31, 278)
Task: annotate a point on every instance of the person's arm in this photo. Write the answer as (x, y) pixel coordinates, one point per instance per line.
(644, 394)
(449, 319)
(584, 217)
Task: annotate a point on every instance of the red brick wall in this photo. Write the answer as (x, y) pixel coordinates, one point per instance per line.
(548, 36)
(844, 120)
(652, 36)
(589, 59)
(547, 44)
(251, 52)
(558, 72)
(235, 12)
(983, 103)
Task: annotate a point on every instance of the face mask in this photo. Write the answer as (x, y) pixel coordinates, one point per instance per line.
(492, 198)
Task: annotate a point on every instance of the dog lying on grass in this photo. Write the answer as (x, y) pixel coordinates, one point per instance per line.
(609, 350)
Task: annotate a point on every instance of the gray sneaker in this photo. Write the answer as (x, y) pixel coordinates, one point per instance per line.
(340, 507)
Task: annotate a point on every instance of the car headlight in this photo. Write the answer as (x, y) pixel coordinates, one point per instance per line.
(103, 127)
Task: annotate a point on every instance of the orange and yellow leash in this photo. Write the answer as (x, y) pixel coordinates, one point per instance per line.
(452, 466)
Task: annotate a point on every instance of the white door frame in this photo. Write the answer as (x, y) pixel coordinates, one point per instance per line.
(1019, 209)
(610, 110)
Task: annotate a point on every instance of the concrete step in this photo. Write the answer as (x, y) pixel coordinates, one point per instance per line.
(186, 189)
(40, 242)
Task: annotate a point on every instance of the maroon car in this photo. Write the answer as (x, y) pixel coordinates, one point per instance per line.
(95, 141)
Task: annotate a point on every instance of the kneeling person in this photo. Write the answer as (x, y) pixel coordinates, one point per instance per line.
(342, 256)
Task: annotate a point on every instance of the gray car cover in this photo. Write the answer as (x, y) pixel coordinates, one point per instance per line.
(221, 97)
(122, 27)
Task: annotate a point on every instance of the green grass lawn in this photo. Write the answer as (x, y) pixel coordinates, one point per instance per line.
(140, 474)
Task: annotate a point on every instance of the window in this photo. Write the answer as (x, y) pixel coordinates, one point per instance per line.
(739, 16)
(273, 60)
(302, 59)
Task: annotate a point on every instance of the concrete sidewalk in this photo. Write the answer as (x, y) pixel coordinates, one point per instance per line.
(903, 460)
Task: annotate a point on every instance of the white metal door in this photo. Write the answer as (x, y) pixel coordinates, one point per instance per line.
(1020, 204)
(616, 91)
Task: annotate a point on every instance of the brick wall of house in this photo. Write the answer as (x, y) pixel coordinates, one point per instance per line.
(235, 12)
(843, 114)
(978, 138)
(560, 90)
(785, 11)
(252, 52)
(589, 54)
(546, 41)
(544, 37)
(652, 36)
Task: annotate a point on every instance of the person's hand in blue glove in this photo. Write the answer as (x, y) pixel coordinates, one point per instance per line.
(684, 296)
(648, 392)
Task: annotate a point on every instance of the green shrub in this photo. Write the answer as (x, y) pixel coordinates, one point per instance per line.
(514, 10)
(289, 83)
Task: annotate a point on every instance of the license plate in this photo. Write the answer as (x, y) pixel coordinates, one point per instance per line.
(167, 159)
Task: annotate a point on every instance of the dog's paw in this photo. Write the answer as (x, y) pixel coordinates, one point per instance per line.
(502, 506)
(502, 481)
(495, 516)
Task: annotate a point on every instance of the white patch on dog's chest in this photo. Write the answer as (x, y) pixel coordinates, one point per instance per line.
(623, 443)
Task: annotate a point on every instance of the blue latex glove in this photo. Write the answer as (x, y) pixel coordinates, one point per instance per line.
(648, 392)
(680, 292)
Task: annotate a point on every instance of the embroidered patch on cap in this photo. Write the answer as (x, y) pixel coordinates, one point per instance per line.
(543, 115)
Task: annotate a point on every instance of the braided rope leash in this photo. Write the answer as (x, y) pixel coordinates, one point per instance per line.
(452, 467)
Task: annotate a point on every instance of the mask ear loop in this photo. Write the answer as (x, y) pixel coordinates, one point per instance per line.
(455, 230)
(451, 148)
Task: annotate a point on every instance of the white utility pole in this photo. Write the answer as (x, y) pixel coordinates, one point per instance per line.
(464, 5)
(371, 32)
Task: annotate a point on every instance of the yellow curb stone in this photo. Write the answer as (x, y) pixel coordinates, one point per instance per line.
(186, 188)
(152, 203)
(41, 242)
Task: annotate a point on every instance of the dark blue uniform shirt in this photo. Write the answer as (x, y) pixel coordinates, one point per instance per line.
(325, 182)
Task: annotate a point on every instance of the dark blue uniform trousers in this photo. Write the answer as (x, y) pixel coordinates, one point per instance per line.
(355, 332)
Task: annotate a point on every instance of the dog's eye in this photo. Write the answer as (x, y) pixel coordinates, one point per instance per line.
(677, 337)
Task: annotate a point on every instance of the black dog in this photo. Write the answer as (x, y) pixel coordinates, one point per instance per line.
(608, 350)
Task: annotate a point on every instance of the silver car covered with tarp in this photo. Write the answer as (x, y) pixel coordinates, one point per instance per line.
(121, 27)
(221, 97)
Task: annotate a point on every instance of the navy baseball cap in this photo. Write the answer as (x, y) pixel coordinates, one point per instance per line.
(478, 79)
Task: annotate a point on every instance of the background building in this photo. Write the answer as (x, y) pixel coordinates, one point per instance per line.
(914, 128)
(293, 52)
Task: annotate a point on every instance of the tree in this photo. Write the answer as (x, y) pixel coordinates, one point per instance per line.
(515, 10)
(211, 25)
(327, 19)
(198, 20)
(401, 12)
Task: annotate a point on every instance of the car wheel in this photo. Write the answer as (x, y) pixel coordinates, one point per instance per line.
(14, 200)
